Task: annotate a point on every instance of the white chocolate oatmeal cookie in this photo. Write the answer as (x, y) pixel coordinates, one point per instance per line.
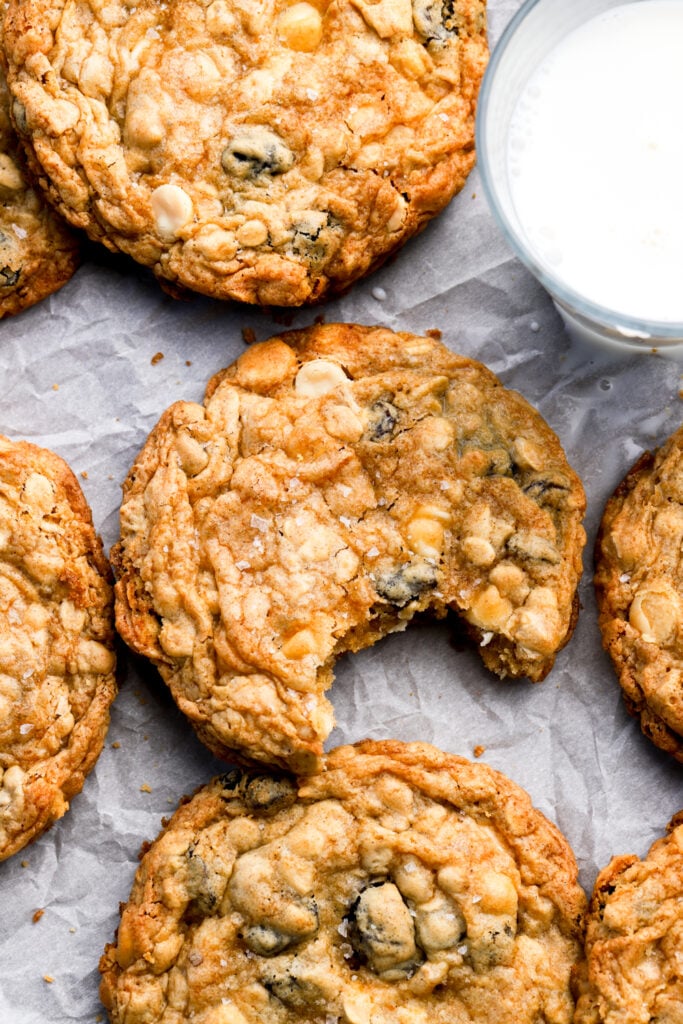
(634, 941)
(271, 152)
(336, 481)
(639, 588)
(56, 642)
(399, 886)
(38, 253)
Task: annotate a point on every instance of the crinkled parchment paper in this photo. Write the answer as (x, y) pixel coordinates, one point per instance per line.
(79, 376)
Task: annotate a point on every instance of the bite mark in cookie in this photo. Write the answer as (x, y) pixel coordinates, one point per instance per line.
(38, 253)
(337, 481)
(56, 657)
(272, 153)
(398, 886)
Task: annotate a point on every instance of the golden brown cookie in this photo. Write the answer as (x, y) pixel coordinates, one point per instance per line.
(401, 885)
(269, 152)
(634, 942)
(38, 254)
(56, 655)
(336, 481)
(639, 587)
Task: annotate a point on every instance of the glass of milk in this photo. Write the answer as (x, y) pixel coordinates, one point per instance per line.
(580, 149)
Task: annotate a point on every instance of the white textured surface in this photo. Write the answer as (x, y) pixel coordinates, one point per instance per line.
(568, 741)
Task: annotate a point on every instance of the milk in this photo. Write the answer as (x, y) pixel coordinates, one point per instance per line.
(595, 160)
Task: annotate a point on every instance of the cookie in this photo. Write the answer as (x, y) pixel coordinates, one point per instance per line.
(336, 481)
(639, 588)
(401, 885)
(56, 656)
(271, 153)
(634, 940)
(38, 254)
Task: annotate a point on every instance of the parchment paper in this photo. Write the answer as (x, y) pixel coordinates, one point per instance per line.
(78, 376)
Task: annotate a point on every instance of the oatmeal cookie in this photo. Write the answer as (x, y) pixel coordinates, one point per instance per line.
(401, 885)
(269, 152)
(634, 942)
(639, 587)
(38, 254)
(56, 657)
(336, 481)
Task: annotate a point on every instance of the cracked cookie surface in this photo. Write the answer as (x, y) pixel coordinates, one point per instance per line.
(336, 481)
(634, 939)
(56, 656)
(639, 588)
(400, 885)
(38, 253)
(263, 151)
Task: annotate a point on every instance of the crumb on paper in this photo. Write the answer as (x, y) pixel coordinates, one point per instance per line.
(72, 930)
(156, 358)
(48, 978)
(145, 737)
(116, 745)
(24, 863)
(474, 195)
(188, 362)
(145, 788)
(84, 474)
(434, 333)
(479, 750)
(55, 387)
(37, 914)
(248, 335)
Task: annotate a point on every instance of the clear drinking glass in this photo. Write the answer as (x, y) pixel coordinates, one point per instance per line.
(533, 32)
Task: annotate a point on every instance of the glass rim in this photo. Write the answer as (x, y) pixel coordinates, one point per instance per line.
(620, 324)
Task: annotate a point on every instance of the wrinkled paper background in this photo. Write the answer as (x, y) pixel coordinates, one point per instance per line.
(78, 376)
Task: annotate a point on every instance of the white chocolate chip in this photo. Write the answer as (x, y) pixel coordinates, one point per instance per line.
(317, 377)
(172, 209)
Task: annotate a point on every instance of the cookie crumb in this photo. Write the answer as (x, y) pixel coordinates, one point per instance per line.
(145, 788)
(37, 914)
(48, 978)
(84, 474)
(116, 745)
(188, 362)
(55, 387)
(156, 358)
(248, 335)
(24, 863)
(478, 751)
